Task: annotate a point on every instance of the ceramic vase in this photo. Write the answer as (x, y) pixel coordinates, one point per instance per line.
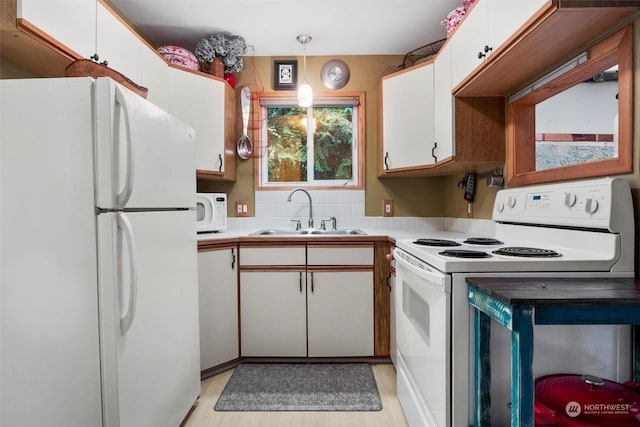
(216, 67)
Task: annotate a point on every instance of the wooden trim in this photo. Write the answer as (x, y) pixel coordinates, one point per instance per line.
(44, 38)
(256, 268)
(340, 244)
(405, 70)
(521, 135)
(544, 40)
(361, 136)
(199, 73)
(206, 247)
(341, 268)
(218, 369)
(381, 300)
(575, 137)
(272, 244)
(125, 22)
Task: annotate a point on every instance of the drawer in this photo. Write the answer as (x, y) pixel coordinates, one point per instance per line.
(272, 255)
(319, 254)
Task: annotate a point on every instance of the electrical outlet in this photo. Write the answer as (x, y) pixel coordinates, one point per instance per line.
(242, 208)
(387, 208)
(469, 210)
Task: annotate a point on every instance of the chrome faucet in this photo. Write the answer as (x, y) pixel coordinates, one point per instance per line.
(310, 204)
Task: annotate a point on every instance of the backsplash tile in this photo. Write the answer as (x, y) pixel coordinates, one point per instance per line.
(273, 211)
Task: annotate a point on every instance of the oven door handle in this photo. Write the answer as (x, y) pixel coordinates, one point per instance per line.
(435, 279)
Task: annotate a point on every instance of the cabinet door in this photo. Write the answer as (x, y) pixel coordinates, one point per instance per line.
(70, 22)
(218, 306)
(340, 313)
(490, 23)
(443, 114)
(154, 76)
(407, 118)
(468, 40)
(273, 314)
(118, 45)
(198, 100)
(505, 17)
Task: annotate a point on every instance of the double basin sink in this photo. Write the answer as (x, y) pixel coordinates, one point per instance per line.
(312, 231)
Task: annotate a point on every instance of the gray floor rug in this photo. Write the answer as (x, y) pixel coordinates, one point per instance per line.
(300, 387)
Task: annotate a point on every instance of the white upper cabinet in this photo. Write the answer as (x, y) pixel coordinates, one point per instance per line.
(407, 118)
(154, 75)
(199, 100)
(70, 22)
(119, 46)
(443, 103)
(489, 24)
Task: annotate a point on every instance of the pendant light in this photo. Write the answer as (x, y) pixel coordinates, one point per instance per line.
(305, 93)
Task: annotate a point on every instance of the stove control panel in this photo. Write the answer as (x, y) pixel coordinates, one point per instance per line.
(576, 204)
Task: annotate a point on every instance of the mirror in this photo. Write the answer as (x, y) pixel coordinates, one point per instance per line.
(577, 121)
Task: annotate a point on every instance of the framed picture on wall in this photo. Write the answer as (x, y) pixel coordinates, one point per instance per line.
(285, 75)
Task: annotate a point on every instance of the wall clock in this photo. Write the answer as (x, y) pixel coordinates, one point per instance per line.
(335, 74)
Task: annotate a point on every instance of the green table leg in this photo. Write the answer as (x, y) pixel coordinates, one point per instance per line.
(482, 368)
(522, 368)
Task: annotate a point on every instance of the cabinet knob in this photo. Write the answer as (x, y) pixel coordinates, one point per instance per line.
(386, 160)
(389, 257)
(484, 52)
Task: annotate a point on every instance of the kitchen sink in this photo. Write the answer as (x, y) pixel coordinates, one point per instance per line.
(313, 232)
(345, 231)
(274, 232)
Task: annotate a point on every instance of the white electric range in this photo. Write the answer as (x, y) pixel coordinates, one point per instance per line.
(573, 229)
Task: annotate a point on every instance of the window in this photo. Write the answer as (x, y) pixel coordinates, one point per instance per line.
(319, 146)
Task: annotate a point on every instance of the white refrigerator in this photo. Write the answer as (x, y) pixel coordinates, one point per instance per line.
(98, 253)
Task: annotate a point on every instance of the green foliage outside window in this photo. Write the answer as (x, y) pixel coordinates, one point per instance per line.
(331, 142)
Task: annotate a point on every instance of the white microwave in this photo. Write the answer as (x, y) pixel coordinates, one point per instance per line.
(211, 212)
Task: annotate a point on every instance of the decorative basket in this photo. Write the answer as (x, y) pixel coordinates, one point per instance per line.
(179, 56)
(422, 54)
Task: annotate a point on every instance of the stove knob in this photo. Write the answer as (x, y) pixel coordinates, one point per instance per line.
(511, 201)
(591, 206)
(569, 199)
(500, 206)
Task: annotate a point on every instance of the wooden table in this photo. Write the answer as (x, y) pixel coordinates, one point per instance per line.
(518, 304)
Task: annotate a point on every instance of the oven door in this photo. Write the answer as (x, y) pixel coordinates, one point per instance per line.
(423, 329)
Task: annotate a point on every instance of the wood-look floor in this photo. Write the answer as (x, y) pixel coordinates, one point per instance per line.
(390, 416)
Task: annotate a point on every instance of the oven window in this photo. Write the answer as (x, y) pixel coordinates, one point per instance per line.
(417, 311)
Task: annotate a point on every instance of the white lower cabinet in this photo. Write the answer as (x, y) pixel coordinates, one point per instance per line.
(340, 313)
(273, 313)
(291, 309)
(218, 305)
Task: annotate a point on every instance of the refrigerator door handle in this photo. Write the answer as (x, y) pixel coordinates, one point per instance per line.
(123, 196)
(127, 319)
